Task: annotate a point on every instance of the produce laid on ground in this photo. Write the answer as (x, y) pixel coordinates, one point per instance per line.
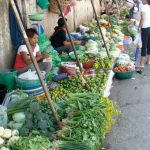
(89, 119)
(33, 142)
(87, 112)
(8, 137)
(28, 114)
(27, 123)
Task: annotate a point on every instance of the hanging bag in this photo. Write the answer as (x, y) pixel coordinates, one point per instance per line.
(43, 4)
(54, 6)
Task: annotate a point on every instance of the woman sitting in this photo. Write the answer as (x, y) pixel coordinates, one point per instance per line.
(23, 61)
(59, 39)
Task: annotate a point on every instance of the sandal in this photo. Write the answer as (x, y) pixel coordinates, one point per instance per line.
(140, 69)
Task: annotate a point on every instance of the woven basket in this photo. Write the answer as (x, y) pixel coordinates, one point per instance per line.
(54, 7)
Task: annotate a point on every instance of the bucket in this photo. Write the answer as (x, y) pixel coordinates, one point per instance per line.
(3, 91)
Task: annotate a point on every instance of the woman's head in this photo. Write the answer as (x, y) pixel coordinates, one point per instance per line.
(33, 36)
(61, 22)
(145, 2)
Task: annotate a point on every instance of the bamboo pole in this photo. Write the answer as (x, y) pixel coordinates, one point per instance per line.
(98, 24)
(35, 63)
(73, 48)
(117, 7)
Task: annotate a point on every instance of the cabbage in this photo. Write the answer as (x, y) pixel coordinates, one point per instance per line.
(1, 141)
(15, 132)
(103, 54)
(10, 124)
(82, 48)
(123, 59)
(103, 21)
(17, 126)
(7, 133)
(104, 31)
(114, 53)
(19, 117)
(1, 131)
(13, 139)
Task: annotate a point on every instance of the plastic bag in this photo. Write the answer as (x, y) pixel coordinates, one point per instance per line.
(123, 59)
(132, 30)
(30, 75)
(13, 97)
(43, 42)
(56, 60)
(138, 40)
(68, 68)
(3, 116)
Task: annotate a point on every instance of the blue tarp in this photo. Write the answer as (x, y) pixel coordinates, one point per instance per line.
(16, 35)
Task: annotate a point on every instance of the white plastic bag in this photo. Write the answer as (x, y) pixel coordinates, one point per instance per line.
(3, 116)
(138, 40)
(123, 59)
(30, 75)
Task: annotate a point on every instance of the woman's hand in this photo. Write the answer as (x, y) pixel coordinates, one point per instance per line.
(139, 30)
(77, 42)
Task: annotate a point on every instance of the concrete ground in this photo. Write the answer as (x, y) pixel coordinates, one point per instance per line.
(132, 128)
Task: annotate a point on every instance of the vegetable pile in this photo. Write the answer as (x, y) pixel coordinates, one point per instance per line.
(8, 137)
(28, 114)
(88, 119)
(33, 142)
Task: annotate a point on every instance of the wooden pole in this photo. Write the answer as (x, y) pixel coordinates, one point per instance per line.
(35, 63)
(117, 7)
(72, 45)
(98, 24)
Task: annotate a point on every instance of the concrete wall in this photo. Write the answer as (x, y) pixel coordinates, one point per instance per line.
(6, 55)
(80, 14)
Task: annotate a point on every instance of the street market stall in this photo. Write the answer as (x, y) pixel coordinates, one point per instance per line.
(77, 90)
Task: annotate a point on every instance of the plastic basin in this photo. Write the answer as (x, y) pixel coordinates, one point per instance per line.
(123, 75)
(36, 17)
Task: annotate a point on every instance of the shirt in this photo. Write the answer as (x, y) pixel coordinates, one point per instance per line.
(19, 63)
(58, 38)
(146, 10)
